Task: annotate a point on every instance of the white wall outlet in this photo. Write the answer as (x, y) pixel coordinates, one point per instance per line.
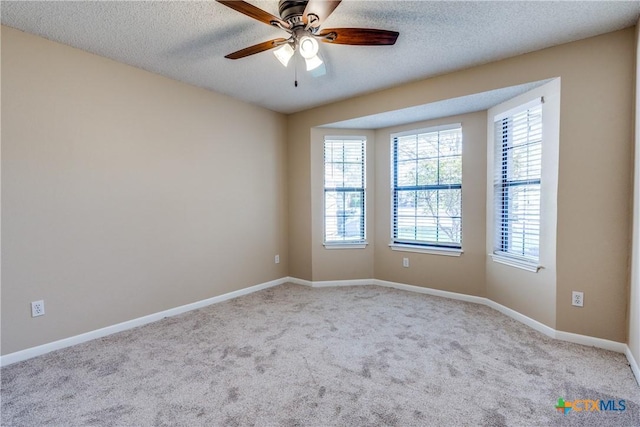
(277, 259)
(37, 308)
(405, 262)
(577, 298)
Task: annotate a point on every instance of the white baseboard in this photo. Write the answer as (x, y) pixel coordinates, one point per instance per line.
(618, 347)
(633, 363)
(540, 327)
(19, 356)
(586, 340)
(336, 283)
(430, 291)
(532, 323)
(301, 282)
(330, 283)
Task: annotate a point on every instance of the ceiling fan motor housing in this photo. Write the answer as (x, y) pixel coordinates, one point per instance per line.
(291, 11)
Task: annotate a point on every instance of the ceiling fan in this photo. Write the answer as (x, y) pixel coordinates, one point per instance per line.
(302, 20)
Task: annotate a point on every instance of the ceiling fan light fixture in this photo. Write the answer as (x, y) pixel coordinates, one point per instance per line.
(308, 47)
(313, 62)
(284, 53)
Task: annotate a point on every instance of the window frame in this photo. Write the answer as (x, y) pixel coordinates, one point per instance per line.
(359, 243)
(500, 252)
(408, 245)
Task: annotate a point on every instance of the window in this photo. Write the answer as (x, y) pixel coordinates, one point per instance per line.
(427, 188)
(344, 190)
(517, 173)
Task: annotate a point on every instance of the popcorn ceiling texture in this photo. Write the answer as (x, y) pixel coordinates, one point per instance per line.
(348, 356)
(187, 41)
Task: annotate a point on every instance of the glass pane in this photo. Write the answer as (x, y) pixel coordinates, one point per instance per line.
(353, 175)
(523, 220)
(406, 172)
(344, 216)
(450, 230)
(406, 199)
(428, 172)
(406, 148)
(449, 203)
(426, 229)
(333, 175)
(451, 170)
(344, 210)
(332, 202)
(430, 214)
(450, 143)
(334, 151)
(427, 202)
(428, 145)
(353, 152)
(524, 162)
(406, 227)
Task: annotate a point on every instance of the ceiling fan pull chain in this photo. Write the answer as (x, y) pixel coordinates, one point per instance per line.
(295, 68)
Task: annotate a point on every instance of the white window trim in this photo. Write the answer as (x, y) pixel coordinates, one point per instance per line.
(503, 257)
(515, 262)
(429, 129)
(432, 250)
(423, 248)
(519, 109)
(347, 245)
(549, 94)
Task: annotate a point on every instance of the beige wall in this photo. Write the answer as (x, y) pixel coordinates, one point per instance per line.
(594, 185)
(299, 202)
(634, 300)
(113, 178)
(125, 193)
(464, 274)
(530, 293)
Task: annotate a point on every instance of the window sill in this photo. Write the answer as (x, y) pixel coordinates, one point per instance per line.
(432, 250)
(331, 245)
(517, 263)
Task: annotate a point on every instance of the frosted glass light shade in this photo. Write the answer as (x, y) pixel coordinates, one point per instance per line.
(313, 62)
(308, 47)
(284, 53)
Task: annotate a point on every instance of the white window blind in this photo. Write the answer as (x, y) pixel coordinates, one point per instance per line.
(344, 190)
(518, 161)
(427, 187)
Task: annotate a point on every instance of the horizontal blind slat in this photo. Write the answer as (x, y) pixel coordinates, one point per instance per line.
(518, 160)
(344, 187)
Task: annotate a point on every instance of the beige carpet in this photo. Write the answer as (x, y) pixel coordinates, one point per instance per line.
(348, 356)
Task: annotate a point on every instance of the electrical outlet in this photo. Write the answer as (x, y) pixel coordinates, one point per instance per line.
(405, 262)
(577, 298)
(277, 259)
(37, 308)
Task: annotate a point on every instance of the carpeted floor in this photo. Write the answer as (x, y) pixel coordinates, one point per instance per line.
(349, 356)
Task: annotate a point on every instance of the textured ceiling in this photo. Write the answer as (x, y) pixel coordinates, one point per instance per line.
(187, 41)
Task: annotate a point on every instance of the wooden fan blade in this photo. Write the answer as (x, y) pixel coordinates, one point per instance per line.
(359, 36)
(253, 11)
(260, 47)
(322, 9)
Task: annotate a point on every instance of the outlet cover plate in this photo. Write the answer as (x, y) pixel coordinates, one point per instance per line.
(577, 299)
(37, 308)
